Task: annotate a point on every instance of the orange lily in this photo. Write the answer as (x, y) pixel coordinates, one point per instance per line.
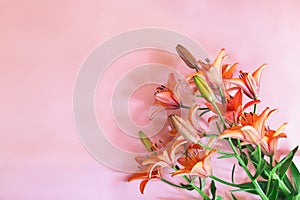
(254, 131)
(270, 140)
(228, 70)
(213, 72)
(144, 176)
(196, 163)
(166, 158)
(166, 96)
(249, 83)
(186, 129)
(234, 107)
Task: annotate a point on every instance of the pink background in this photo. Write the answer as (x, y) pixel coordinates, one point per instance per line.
(43, 43)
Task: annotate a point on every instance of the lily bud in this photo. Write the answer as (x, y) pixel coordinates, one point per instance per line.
(147, 142)
(204, 89)
(187, 57)
(185, 128)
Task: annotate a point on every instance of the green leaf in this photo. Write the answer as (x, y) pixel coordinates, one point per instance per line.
(232, 174)
(296, 197)
(260, 169)
(288, 183)
(249, 187)
(203, 108)
(226, 156)
(244, 158)
(213, 189)
(186, 186)
(273, 194)
(296, 177)
(284, 164)
(219, 198)
(233, 197)
(256, 154)
(204, 112)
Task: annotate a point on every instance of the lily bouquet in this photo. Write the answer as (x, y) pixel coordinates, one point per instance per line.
(218, 124)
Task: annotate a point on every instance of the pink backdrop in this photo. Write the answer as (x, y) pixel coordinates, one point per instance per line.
(43, 43)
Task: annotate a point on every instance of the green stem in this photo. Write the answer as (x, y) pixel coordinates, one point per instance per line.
(222, 95)
(219, 113)
(271, 162)
(254, 182)
(222, 181)
(282, 186)
(254, 108)
(183, 106)
(210, 148)
(170, 183)
(199, 191)
(191, 182)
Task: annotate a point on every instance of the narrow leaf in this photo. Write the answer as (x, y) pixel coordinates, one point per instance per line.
(259, 170)
(232, 173)
(213, 189)
(233, 197)
(275, 189)
(284, 164)
(296, 177)
(226, 156)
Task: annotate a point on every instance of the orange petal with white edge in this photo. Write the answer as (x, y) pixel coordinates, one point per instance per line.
(251, 135)
(257, 73)
(228, 71)
(143, 185)
(278, 131)
(234, 132)
(259, 124)
(218, 61)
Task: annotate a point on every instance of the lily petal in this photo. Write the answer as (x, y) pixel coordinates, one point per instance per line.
(257, 73)
(251, 134)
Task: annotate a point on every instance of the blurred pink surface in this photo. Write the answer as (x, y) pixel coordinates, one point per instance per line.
(43, 43)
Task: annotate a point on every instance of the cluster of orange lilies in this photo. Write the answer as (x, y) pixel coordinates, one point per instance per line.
(219, 95)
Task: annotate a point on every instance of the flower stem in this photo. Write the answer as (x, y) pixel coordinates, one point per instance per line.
(222, 181)
(219, 113)
(183, 106)
(210, 148)
(170, 183)
(254, 108)
(199, 191)
(254, 182)
(271, 162)
(191, 182)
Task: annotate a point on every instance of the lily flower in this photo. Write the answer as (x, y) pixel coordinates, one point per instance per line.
(253, 131)
(216, 65)
(233, 108)
(228, 70)
(166, 96)
(196, 163)
(249, 83)
(144, 176)
(186, 129)
(270, 140)
(166, 158)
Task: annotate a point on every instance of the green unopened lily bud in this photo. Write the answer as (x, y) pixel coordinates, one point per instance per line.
(185, 128)
(187, 57)
(147, 142)
(204, 89)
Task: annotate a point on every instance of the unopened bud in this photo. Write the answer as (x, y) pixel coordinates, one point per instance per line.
(187, 57)
(204, 89)
(185, 128)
